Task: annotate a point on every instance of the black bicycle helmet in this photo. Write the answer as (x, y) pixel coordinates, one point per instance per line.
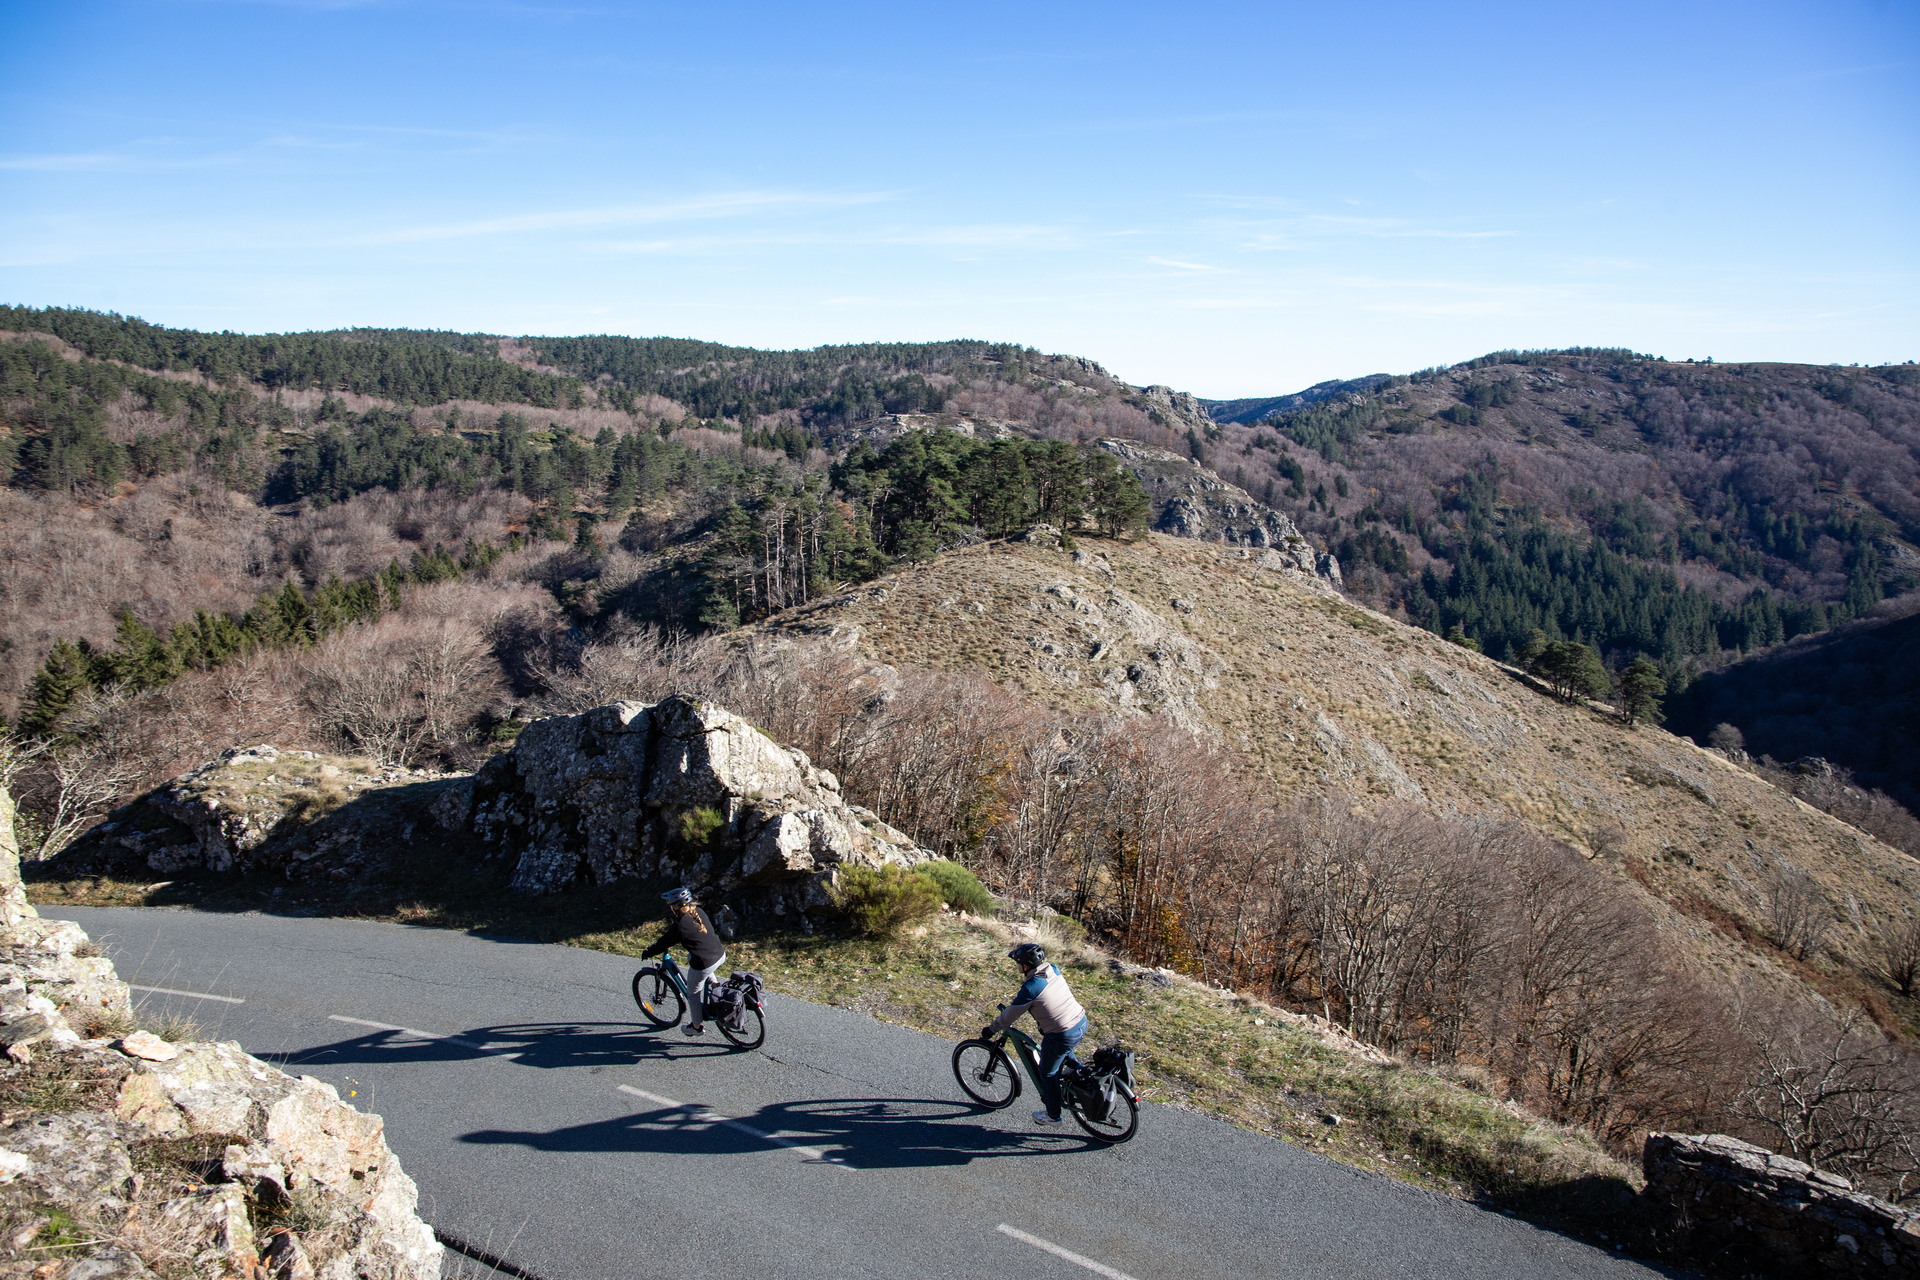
(677, 897)
(1028, 955)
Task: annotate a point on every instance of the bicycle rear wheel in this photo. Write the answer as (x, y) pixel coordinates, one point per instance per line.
(986, 1073)
(1117, 1127)
(658, 996)
(752, 1033)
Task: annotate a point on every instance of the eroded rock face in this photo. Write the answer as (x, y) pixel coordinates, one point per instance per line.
(256, 810)
(1189, 501)
(265, 1136)
(1746, 1207)
(682, 790)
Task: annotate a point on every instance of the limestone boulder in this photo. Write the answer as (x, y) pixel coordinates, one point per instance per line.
(682, 791)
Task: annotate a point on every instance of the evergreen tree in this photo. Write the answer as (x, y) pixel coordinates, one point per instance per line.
(1641, 689)
(52, 690)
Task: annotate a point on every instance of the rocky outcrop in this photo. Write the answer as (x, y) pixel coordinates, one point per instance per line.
(173, 1159)
(680, 790)
(1756, 1212)
(1189, 501)
(294, 814)
(1176, 409)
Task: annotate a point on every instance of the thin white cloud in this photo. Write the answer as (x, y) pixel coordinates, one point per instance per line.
(733, 204)
(92, 162)
(1183, 266)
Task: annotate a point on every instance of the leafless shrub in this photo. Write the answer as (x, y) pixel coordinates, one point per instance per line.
(1826, 1088)
(1796, 910)
(401, 687)
(1900, 953)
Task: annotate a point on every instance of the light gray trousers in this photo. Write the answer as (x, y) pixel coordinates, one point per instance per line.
(697, 980)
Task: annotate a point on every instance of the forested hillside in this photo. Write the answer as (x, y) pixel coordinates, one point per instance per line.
(1688, 513)
(1522, 488)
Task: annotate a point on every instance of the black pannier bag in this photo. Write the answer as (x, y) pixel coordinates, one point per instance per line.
(1115, 1062)
(1093, 1093)
(726, 1006)
(750, 985)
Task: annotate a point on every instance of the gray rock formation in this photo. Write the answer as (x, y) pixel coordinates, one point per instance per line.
(1170, 408)
(680, 790)
(1189, 501)
(1747, 1208)
(261, 810)
(79, 1097)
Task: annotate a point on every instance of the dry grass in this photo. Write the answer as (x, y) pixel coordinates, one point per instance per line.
(1309, 691)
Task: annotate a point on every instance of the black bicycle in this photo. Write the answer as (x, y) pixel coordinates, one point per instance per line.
(986, 1073)
(661, 992)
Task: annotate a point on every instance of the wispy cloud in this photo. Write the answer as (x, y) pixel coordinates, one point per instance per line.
(1182, 266)
(91, 162)
(695, 209)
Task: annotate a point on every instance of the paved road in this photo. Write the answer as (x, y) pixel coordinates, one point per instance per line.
(547, 1125)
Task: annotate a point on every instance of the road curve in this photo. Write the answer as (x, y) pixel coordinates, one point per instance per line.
(547, 1126)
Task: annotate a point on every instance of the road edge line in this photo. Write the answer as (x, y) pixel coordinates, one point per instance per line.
(1068, 1255)
(191, 995)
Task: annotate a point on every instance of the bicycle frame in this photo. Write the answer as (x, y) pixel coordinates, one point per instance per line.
(671, 968)
(1027, 1050)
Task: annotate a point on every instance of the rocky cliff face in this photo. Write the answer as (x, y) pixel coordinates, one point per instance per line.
(680, 790)
(1190, 501)
(124, 1156)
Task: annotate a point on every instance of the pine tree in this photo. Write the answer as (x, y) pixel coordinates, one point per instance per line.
(1641, 689)
(53, 688)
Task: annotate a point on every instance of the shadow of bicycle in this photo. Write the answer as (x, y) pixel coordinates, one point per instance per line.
(860, 1133)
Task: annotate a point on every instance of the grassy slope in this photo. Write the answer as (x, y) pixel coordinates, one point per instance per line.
(1312, 690)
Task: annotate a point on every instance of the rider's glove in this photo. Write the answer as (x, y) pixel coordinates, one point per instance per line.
(986, 1033)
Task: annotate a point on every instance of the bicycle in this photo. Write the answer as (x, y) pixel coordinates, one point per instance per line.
(661, 992)
(986, 1074)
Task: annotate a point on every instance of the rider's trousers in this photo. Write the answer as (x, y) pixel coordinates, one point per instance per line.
(1054, 1048)
(697, 988)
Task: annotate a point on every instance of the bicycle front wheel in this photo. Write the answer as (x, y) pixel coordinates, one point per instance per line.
(752, 1033)
(1117, 1127)
(986, 1073)
(658, 996)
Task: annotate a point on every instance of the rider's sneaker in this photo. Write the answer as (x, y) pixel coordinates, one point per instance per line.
(1041, 1117)
(696, 1028)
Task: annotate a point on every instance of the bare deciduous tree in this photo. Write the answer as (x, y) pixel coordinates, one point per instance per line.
(1829, 1090)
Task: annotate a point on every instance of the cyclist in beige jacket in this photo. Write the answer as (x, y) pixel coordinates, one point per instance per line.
(1061, 1020)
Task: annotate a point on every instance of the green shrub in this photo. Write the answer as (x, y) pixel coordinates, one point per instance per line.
(881, 903)
(961, 888)
(698, 825)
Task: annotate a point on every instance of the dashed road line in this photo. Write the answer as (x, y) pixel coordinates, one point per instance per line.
(1098, 1268)
(191, 995)
(714, 1117)
(425, 1035)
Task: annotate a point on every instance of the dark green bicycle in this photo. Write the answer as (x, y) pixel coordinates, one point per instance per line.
(986, 1073)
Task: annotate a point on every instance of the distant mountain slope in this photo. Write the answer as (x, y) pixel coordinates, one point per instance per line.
(1851, 697)
(1260, 408)
(1310, 692)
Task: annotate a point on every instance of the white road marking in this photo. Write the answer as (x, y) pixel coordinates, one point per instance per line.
(192, 995)
(1098, 1268)
(714, 1117)
(425, 1035)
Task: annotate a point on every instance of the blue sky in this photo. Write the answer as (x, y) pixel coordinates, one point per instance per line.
(1232, 199)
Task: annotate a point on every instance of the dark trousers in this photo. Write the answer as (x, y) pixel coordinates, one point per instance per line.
(1054, 1048)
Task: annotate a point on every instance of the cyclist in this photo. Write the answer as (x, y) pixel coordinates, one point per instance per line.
(688, 926)
(1043, 993)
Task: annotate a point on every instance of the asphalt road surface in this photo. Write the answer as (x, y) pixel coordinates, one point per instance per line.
(548, 1125)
